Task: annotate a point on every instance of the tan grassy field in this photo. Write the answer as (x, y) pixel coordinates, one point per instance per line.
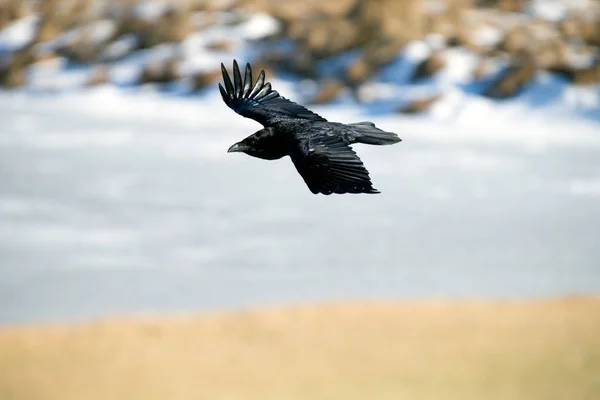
(365, 350)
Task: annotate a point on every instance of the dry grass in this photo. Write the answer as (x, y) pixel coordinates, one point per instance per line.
(430, 350)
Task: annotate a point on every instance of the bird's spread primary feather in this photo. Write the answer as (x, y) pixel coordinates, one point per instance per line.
(259, 101)
(319, 149)
(329, 165)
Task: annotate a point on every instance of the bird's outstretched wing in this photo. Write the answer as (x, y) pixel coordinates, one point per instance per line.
(257, 100)
(329, 165)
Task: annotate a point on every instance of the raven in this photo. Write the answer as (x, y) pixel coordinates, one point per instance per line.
(319, 149)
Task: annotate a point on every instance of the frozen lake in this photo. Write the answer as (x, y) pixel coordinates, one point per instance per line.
(120, 203)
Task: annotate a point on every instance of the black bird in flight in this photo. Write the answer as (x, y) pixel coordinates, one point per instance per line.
(319, 149)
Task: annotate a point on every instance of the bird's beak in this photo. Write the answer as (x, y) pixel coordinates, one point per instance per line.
(238, 147)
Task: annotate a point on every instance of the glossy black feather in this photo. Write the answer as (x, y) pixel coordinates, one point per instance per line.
(329, 165)
(259, 101)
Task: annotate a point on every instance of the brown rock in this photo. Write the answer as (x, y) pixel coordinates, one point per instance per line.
(99, 75)
(381, 52)
(376, 54)
(317, 37)
(482, 69)
(76, 12)
(295, 62)
(24, 57)
(13, 74)
(513, 79)
(131, 24)
(464, 37)
(296, 30)
(359, 71)
(401, 20)
(511, 5)
(440, 23)
(80, 50)
(11, 11)
(48, 28)
(57, 16)
(270, 60)
(46, 57)
(551, 53)
(173, 26)
(338, 8)
(221, 5)
(328, 91)
(566, 71)
(570, 27)
(590, 31)
(419, 105)
(429, 66)
(202, 79)
(346, 36)
(221, 45)
(487, 3)
(457, 9)
(587, 76)
(160, 72)
(301, 63)
(327, 38)
(516, 39)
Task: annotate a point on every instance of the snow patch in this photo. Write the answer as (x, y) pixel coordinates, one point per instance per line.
(417, 50)
(488, 36)
(18, 34)
(555, 10)
(259, 26)
(151, 9)
(101, 31)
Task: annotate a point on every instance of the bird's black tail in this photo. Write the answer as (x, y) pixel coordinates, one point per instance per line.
(366, 132)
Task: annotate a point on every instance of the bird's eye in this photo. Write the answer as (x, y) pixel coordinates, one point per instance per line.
(253, 142)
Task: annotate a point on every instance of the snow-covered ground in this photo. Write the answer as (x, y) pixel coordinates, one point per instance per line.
(115, 202)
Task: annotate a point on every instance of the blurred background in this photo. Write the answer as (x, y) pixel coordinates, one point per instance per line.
(116, 194)
(479, 262)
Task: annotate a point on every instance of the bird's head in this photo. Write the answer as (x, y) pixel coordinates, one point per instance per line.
(262, 144)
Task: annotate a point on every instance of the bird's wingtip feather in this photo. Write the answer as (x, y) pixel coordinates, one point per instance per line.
(223, 91)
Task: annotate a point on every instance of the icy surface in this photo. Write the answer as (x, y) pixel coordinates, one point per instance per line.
(117, 201)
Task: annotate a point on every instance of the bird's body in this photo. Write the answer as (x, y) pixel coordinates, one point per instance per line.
(319, 149)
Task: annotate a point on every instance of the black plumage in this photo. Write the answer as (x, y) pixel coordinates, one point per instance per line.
(319, 149)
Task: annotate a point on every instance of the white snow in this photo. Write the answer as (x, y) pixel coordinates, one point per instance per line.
(101, 31)
(151, 9)
(259, 26)
(555, 10)
(18, 34)
(417, 50)
(488, 36)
